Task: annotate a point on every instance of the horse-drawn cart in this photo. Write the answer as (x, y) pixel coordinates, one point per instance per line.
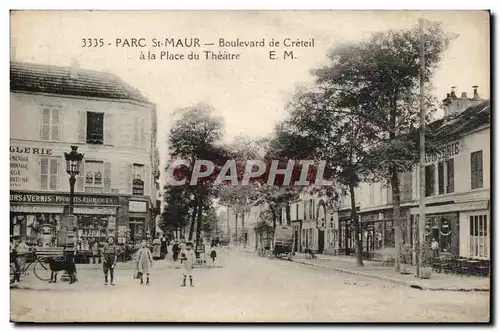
(283, 241)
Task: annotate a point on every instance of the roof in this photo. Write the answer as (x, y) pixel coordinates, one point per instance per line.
(30, 77)
(461, 123)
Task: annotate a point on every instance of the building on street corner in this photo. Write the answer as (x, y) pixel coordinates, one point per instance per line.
(113, 125)
(458, 197)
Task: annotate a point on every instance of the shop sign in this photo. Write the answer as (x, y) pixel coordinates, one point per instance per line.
(49, 198)
(444, 152)
(137, 206)
(137, 187)
(36, 209)
(95, 210)
(23, 164)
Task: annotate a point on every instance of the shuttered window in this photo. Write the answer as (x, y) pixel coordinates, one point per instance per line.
(476, 167)
(479, 246)
(50, 123)
(49, 172)
(429, 180)
(450, 176)
(441, 178)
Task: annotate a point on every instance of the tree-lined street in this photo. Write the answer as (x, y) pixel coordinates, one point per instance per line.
(246, 288)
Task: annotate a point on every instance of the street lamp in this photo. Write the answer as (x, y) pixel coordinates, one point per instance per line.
(73, 161)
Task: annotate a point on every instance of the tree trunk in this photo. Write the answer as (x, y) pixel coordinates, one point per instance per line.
(274, 225)
(396, 220)
(243, 227)
(236, 227)
(357, 225)
(288, 217)
(198, 225)
(193, 221)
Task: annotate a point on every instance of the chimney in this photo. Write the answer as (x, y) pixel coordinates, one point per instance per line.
(476, 95)
(453, 95)
(74, 69)
(464, 95)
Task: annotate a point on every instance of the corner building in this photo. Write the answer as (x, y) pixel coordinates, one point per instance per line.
(113, 125)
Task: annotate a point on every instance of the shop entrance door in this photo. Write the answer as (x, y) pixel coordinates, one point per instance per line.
(321, 241)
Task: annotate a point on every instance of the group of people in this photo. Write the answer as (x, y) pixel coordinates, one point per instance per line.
(184, 252)
(181, 251)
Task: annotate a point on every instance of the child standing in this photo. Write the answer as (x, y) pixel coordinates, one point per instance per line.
(144, 261)
(110, 257)
(189, 257)
(213, 253)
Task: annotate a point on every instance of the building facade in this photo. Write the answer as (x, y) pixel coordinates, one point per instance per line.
(113, 125)
(458, 196)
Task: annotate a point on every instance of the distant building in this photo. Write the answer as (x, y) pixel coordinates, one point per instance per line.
(113, 124)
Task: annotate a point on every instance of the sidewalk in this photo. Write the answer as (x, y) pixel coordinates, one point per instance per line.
(437, 282)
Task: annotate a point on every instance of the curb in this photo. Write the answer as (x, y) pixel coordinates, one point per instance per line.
(395, 280)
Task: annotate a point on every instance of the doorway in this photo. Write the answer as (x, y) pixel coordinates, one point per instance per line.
(321, 241)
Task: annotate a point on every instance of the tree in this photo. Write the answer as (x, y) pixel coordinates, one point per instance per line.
(320, 128)
(379, 79)
(195, 135)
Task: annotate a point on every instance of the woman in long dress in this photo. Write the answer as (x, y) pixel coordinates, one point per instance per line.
(144, 261)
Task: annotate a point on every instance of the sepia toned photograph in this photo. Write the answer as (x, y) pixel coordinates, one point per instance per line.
(250, 166)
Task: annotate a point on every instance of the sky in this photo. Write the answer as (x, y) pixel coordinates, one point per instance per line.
(250, 93)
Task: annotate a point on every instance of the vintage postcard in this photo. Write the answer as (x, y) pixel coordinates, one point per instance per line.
(250, 166)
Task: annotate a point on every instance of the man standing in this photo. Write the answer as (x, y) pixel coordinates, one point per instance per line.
(164, 244)
(110, 257)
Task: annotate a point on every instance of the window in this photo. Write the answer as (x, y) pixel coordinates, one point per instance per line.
(138, 172)
(95, 128)
(94, 176)
(48, 173)
(450, 176)
(311, 207)
(476, 168)
(305, 210)
(50, 123)
(429, 180)
(479, 236)
(441, 178)
(405, 185)
(297, 211)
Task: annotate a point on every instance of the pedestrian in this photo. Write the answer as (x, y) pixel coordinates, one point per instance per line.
(189, 258)
(175, 250)
(19, 251)
(213, 253)
(164, 246)
(110, 257)
(95, 252)
(144, 261)
(435, 248)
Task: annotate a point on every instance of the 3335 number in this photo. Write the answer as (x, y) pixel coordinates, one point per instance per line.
(92, 42)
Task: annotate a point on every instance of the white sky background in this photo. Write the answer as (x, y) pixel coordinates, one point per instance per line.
(250, 93)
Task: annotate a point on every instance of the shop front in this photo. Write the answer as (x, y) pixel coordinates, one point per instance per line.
(37, 217)
(137, 221)
(460, 229)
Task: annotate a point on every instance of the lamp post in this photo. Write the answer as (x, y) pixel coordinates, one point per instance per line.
(73, 161)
